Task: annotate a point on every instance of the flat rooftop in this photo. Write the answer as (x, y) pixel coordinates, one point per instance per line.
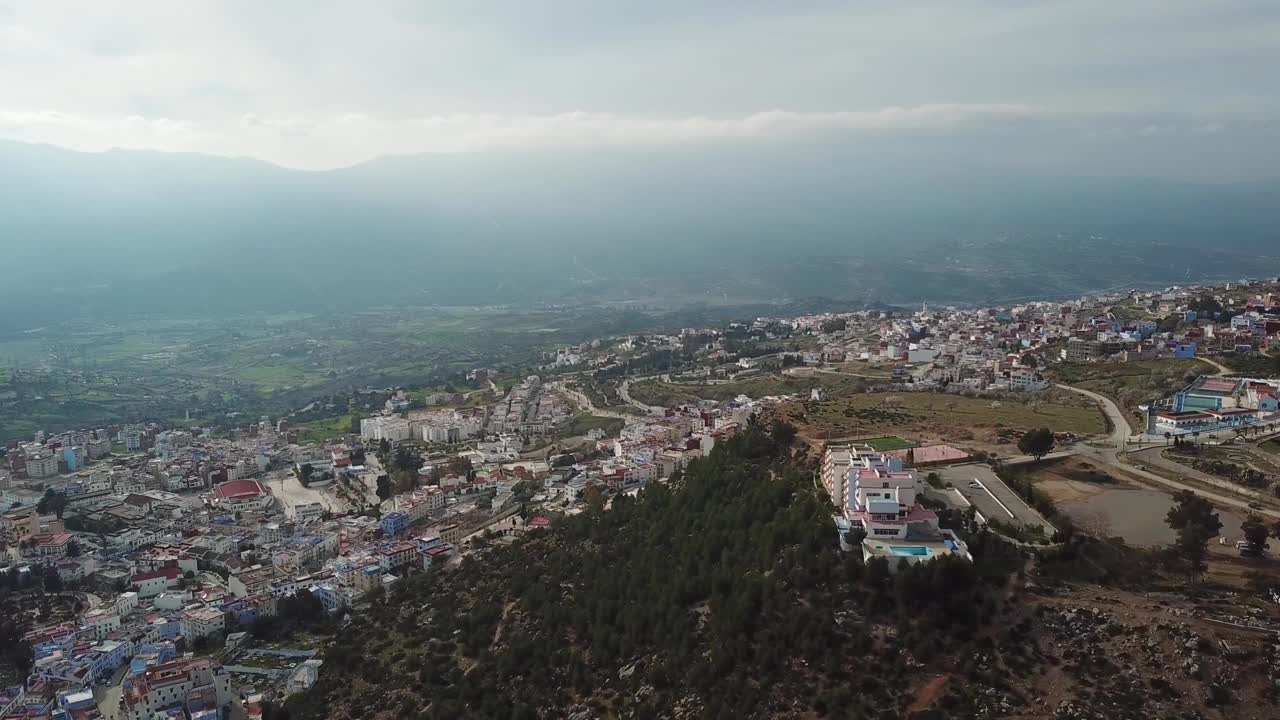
(891, 548)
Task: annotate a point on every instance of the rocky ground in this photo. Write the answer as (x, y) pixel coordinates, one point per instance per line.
(1113, 655)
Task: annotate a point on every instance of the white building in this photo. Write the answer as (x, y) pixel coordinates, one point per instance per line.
(155, 582)
(187, 684)
(882, 500)
(126, 603)
(304, 677)
(99, 623)
(202, 622)
(385, 427)
(42, 465)
(1023, 380)
(420, 503)
(308, 512)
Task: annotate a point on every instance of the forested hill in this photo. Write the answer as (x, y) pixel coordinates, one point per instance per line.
(721, 595)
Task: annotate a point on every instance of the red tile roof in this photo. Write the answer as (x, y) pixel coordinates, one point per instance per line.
(235, 489)
(171, 573)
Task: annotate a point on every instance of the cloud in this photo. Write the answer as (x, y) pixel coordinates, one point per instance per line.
(102, 132)
(346, 81)
(353, 137)
(469, 132)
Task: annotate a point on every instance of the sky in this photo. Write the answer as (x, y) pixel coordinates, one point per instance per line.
(1170, 87)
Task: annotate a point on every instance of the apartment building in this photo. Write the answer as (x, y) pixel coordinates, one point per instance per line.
(190, 685)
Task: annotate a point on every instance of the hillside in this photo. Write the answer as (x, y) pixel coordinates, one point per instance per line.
(723, 595)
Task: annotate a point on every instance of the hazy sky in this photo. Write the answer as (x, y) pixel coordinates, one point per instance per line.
(1190, 86)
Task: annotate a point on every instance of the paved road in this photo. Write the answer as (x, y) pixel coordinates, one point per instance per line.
(1152, 457)
(624, 394)
(1111, 457)
(1119, 422)
(583, 402)
(1221, 369)
(803, 371)
(993, 499)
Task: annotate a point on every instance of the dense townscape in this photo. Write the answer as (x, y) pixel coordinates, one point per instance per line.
(154, 571)
(694, 360)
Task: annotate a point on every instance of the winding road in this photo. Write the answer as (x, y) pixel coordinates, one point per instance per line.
(1222, 369)
(624, 394)
(1110, 456)
(584, 402)
(807, 371)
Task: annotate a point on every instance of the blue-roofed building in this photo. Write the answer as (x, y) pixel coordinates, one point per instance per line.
(109, 655)
(394, 523)
(244, 613)
(151, 655)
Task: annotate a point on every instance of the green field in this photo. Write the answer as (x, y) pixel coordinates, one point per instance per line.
(583, 423)
(158, 368)
(318, 431)
(861, 367)
(888, 442)
(1130, 373)
(278, 377)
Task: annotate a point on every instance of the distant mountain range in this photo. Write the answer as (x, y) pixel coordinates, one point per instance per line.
(128, 231)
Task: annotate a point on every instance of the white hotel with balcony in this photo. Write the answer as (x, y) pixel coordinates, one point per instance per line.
(874, 492)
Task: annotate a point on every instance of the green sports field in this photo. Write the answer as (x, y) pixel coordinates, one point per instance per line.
(888, 442)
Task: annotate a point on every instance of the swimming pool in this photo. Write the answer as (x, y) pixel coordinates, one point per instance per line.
(916, 550)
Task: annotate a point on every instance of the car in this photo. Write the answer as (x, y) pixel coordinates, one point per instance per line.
(1255, 505)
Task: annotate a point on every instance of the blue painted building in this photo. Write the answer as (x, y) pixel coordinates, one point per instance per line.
(329, 597)
(109, 655)
(394, 523)
(150, 655)
(1184, 350)
(244, 613)
(76, 701)
(69, 457)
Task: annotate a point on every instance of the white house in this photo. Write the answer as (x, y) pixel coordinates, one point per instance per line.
(153, 583)
(99, 623)
(126, 603)
(202, 622)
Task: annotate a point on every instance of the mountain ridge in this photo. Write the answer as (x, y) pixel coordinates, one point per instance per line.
(132, 231)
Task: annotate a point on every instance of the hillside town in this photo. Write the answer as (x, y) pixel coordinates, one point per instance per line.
(140, 558)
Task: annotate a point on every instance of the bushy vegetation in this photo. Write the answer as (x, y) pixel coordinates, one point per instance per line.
(1234, 472)
(1250, 365)
(723, 594)
(1133, 383)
